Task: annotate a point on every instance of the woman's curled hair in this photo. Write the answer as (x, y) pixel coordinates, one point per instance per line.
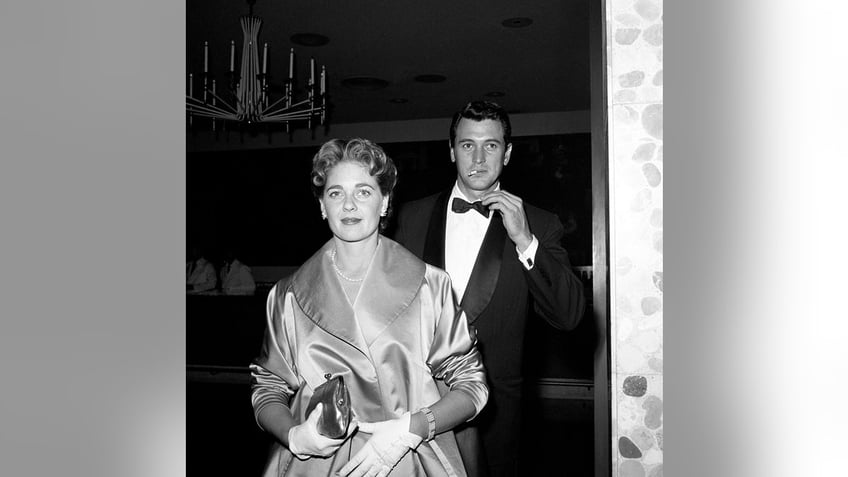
(361, 151)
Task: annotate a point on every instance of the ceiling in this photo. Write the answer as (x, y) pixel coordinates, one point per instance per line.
(541, 67)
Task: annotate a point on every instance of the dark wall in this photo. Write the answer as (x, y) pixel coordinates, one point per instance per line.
(259, 203)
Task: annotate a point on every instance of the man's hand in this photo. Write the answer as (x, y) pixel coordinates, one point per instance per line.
(511, 208)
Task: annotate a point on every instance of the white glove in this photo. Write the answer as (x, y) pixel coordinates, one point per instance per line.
(389, 442)
(305, 441)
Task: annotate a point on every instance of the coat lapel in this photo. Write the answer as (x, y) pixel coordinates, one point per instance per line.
(487, 267)
(391, 284)
(322, 299)
(434, 245)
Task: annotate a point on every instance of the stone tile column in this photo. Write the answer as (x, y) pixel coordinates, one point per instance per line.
(634, 32)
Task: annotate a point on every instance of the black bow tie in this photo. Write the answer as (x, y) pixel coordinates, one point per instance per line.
(460, 206)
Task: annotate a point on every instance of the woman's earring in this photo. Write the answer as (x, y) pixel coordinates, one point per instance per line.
(323, 215)
(383, 213)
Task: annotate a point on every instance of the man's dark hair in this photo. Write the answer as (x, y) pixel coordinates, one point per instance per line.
(478, 111)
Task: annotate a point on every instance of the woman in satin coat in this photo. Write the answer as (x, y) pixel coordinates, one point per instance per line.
(365, 308)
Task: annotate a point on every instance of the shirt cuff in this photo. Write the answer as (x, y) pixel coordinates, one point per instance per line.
(529, 256)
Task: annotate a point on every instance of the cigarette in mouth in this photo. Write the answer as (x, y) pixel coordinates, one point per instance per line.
(472, 173)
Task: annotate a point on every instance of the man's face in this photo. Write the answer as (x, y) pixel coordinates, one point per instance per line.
(480, 155)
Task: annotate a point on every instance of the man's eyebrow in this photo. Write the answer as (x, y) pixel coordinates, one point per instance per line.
(488, 139)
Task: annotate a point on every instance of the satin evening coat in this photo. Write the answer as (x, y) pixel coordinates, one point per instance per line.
(402, 332)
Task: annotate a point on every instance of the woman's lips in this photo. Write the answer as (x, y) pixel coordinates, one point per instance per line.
(351, 221)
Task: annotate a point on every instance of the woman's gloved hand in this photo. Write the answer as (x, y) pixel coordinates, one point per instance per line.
(389, 442)
(306, 442)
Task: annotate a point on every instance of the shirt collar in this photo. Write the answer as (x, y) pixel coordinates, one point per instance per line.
(456, 192)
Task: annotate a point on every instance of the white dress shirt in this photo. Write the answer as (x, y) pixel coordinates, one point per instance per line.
(464, 235)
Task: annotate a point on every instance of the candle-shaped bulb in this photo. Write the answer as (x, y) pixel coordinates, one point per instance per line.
(312, 72)
(265, 59)
(291, 64)
(323, 80)
(205, 56)
(232, 56)
(191, 85)
(213, 103)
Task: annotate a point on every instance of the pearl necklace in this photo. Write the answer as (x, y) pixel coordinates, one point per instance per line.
(336, 267)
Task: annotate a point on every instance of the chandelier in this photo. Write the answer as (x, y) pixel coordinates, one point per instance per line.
(245, 98)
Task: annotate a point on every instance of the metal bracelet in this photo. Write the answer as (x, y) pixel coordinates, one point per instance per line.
(431, 423)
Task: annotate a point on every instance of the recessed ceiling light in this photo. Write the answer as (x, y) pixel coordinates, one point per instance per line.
(495, 94)
(364, 83)
(517, 22)
(398, 100)
(309, 39)
(430, 78)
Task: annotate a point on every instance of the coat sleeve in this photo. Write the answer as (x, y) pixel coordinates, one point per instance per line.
(453, 355)
(273, 373)
(556, 290)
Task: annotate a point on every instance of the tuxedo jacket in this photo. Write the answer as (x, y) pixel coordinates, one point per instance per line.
(500, 290)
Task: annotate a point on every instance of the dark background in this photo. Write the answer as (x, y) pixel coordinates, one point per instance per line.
(260, 201)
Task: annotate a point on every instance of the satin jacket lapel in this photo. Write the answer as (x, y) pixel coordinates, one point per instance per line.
(487, 268)
(434, 245)
(322, 299)
(392, 283)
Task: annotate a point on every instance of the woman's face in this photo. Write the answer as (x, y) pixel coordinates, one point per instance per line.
(352, 201)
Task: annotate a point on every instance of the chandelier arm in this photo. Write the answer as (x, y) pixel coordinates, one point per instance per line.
(300, 103)
(209, 109)
(229, 107)
(204, 108)
(198, 107)
(283, 111)
(290, 116)
(214, 115)
(285, 117)
(282, 120)
(274, 104)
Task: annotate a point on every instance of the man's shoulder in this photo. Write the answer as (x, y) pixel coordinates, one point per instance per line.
(538, 214)
(417, 206)
(543, 223)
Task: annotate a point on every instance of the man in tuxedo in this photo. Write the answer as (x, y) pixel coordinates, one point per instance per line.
(501, 255)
